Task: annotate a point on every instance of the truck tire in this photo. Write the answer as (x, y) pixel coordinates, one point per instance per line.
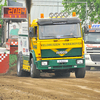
(33, 71)
(20, 72)
(80, 72)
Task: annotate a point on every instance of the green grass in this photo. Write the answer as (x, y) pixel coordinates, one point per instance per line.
(12, 60)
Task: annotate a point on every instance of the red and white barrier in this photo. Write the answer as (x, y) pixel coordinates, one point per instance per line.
(4, 61)
(14, 43)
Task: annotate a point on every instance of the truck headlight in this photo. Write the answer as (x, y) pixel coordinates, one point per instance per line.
(86, 58)
(79, 61)
(44, 63)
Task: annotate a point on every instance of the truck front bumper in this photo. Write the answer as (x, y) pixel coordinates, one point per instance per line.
(60, 64)
(89, 62)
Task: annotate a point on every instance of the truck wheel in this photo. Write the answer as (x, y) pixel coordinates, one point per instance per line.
(20, 72)
(33, 71)
(80, 72)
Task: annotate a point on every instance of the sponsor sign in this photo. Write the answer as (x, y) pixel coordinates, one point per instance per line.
(23, 29)
(90, 46)
(4, 62)
(61, 52)
(59, 44)
(23, 45)
(95, 25)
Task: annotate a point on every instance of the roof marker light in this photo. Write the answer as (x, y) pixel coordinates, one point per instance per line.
(89, 26)
(51, 15)
(56, 14)
(65, 14)
(74, 14)
(42, 15)
(61, 14)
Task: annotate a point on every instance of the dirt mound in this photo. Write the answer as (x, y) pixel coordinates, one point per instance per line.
(12, 65)
(11, 71)
(47, 75)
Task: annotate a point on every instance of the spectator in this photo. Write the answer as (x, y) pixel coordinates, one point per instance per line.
(14, 31)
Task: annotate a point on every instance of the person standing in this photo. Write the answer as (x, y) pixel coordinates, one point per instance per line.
(14, 31)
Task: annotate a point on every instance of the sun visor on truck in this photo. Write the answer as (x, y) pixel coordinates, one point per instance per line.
(52, 21)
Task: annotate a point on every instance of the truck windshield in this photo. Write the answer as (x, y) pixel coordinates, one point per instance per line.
(59, 31)
(93, 37)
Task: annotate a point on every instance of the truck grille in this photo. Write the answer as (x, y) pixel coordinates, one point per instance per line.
(62, 66)
(95, 57)
(48, 53)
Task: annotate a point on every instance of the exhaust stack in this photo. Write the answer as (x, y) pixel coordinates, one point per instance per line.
(28, 5)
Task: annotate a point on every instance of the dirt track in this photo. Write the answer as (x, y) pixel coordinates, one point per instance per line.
(49, 87)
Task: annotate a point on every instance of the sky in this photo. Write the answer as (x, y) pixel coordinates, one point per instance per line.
(2, 2)
(46, 7)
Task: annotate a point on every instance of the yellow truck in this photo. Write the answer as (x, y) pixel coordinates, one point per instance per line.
(56, 45)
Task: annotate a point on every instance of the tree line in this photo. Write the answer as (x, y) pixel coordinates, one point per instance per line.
(79, 6)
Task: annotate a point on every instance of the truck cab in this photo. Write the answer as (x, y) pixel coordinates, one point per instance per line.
(92, 46)
(56, 45)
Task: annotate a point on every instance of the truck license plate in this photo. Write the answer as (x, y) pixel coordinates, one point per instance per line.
(62, 61)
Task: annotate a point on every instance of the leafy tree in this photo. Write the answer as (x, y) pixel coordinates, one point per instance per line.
(93, 9)
(5, 4)
(1, 20)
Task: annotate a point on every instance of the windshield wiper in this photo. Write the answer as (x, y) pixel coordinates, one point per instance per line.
(90, 42)
(72, 36)
(51, 37)
(62, 36)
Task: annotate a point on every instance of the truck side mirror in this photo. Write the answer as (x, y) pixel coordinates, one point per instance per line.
(86, 29)
(31, 32)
